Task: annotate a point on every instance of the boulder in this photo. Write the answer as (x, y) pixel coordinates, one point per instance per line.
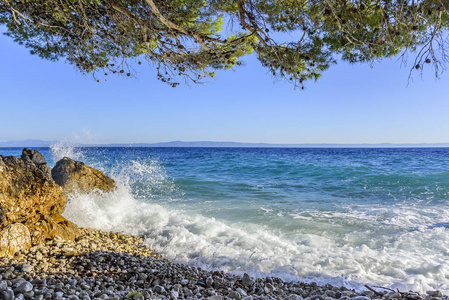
(76, 176)
(35, 157)
(14, 238)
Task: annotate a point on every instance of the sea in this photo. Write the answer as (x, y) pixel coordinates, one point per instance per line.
(342, 216)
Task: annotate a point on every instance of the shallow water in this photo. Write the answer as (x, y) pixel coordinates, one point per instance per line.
(340, 216)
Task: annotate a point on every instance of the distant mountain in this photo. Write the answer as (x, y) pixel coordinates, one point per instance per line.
(208, 144)
(179, 144)
(27, 143)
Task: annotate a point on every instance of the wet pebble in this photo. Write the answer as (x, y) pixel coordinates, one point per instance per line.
(24, 287)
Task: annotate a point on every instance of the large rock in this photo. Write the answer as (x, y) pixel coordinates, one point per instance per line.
(76, 176)
(30, 197)
(35, 157)
(14, 238)
(26, 193)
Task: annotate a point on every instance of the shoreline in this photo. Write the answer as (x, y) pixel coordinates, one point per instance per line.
(109, 265)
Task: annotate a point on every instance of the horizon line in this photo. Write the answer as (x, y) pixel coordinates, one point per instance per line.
(178, 143)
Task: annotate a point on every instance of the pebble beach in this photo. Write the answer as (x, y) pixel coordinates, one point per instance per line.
(108, 265)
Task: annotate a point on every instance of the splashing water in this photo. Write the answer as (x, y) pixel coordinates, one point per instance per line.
(63, 149)
(144, 178)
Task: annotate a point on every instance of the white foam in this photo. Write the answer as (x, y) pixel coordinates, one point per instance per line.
(413, 260)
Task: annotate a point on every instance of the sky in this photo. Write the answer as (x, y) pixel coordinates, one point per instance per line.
(350, 104)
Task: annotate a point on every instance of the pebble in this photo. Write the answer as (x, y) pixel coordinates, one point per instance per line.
(26, 268)
(137, 297)
(19, 297)
(434, 294)
(209, 281)
(3, 285)
(7, 294)
(247, 281)
(241, 292)
(24, 287)
(269, 288)
(235, 295)
(360, 298)
(394, 296)
(159, 289)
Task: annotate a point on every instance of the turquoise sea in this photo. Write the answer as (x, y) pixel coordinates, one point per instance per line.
(340, 216)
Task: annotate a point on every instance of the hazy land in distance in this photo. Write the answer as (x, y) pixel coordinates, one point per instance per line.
(210, 144)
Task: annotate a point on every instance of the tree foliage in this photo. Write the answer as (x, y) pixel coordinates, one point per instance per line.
(295, 40)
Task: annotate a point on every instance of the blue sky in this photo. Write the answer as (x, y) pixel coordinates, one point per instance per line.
(350, 104)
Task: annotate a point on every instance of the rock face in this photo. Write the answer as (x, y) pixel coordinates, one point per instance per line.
(26, 193)
(29, 197)
(76, 176)
(13, 238)
(35, 157)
